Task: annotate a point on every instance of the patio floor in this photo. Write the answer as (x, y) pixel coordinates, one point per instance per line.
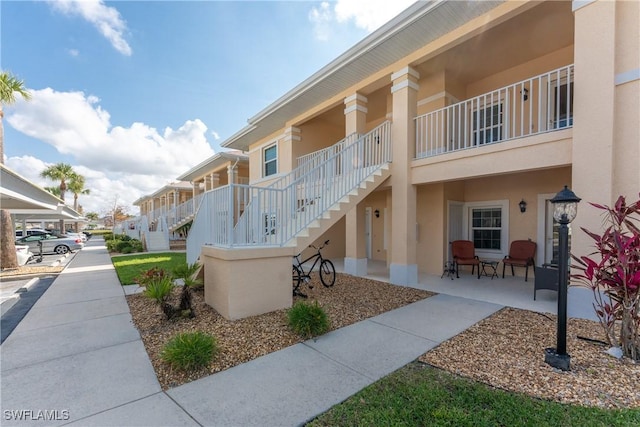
(510, 291)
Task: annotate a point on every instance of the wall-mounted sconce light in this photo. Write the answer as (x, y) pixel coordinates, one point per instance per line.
(525, 94)
(377, 213)
(523, 206)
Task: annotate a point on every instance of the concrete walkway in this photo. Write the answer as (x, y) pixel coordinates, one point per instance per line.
(77, 359)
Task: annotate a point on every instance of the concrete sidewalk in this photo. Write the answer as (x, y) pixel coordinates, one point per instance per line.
(77, 359)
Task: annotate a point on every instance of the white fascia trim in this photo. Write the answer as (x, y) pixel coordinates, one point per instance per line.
(578, 4)
(405, 84)
(355, 97)
(355, 108)
(627, 76)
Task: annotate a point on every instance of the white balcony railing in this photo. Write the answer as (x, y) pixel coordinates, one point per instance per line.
(540, 104)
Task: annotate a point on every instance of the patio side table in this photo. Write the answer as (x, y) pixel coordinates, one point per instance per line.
(489, 268)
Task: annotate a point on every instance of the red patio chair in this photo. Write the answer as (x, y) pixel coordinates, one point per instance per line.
(464, 253)
(521, 253)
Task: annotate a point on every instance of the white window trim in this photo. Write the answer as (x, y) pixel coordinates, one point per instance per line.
(264, 163)
(504, 238)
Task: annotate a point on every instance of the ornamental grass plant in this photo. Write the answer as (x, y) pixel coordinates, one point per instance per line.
(190, 350)
(308, 319)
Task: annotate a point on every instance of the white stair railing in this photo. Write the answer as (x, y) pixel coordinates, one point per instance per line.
(239, 215)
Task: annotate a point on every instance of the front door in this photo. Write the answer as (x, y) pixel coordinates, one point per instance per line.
(455, 224)
(367, 230)
(547, 231)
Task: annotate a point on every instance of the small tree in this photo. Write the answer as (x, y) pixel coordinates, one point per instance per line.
(612, 272)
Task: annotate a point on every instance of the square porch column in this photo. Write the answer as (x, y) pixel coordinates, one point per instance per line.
(404, 268)
(355, 261)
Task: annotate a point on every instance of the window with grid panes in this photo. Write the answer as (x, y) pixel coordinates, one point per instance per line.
(270, 160)
(486, 228)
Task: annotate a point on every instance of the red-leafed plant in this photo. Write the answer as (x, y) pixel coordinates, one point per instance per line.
(613, 273)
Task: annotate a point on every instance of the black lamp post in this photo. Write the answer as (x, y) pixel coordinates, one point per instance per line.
(565, 209)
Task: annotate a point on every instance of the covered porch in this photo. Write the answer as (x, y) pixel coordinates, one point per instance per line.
(510, 291)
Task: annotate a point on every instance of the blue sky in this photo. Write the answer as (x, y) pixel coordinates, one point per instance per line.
(134, 93)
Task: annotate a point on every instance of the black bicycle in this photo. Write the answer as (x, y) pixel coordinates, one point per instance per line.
(327, 270)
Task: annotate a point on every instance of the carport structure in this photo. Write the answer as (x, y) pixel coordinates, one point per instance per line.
(26, 201)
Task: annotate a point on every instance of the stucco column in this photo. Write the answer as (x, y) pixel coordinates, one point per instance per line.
(287, 154)
(606, 118)
(355, 261)
(215, 180)
(404, 269)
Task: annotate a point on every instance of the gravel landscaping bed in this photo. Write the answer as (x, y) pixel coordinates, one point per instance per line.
(506, 350)
(350, 300)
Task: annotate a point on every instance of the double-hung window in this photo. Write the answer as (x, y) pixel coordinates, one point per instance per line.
(486, 228)
(270, 160)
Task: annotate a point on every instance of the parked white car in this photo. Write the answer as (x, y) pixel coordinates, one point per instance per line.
(81, 236)
(24, 254)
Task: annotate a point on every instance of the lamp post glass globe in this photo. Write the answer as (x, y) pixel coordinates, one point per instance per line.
(565, 206)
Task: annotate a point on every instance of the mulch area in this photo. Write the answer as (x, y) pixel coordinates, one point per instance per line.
(507, 350)
(350, 300)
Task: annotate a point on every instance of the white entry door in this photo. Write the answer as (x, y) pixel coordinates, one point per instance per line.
(547, 231)
(455, 226)
(367, 230)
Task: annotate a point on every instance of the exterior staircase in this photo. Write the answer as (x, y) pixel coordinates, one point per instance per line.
(299, 207)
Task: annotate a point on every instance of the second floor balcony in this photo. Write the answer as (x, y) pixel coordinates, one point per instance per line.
(543, 103)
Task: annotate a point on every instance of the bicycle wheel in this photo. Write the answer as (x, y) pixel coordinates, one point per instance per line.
(327, 273)
(297, 280)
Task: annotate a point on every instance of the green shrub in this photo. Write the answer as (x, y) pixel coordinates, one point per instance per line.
(108, 236)
(308, 320)
(158, 288)
(122, 245)
(136, 245)
(126, 250)
(124, 237)
(111, 245)
(190, 350)
(186, 272)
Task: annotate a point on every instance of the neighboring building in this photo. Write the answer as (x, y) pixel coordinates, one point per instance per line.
(166, 214)
(433, 128)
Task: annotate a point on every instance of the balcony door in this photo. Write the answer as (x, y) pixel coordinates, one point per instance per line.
(487, 126)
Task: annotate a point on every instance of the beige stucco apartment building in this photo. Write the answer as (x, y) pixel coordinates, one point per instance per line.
(433, 128)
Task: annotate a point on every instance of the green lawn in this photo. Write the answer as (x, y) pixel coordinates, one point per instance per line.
(419, 395)
(129, 267)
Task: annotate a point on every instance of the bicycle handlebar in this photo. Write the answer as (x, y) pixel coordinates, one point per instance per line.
(326, 242)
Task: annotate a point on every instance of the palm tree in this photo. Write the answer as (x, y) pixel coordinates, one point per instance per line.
(76, 186)
(60, 172)
(9, 87)
(53, 190)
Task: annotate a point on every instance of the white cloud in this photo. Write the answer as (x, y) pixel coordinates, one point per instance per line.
(129, 161)
(215, 135)
(105, 19)
(321, 18)
(368, 15)
(73, 52)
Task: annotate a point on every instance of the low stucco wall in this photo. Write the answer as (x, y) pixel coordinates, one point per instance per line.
(240, 283)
